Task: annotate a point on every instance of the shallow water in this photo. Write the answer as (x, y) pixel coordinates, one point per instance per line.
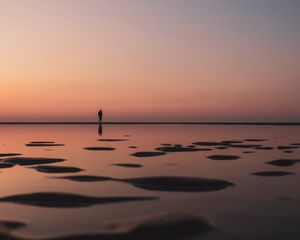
(264, 207)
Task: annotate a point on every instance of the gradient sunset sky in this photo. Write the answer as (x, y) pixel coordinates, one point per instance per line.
(164, 60)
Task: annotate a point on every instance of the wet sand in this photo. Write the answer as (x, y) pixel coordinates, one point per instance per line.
(149, 182)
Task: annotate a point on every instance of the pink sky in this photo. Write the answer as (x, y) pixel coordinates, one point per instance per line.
(149, 60)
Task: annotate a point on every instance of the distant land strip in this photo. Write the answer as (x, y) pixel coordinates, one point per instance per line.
(132, 123)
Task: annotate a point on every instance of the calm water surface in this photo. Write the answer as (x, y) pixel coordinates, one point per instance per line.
(256, 207)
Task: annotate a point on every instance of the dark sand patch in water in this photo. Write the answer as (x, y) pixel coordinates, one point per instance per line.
(245, 145)
(295, 144)
(148, 154)
(284, 162)
(11, 225)
(9, 154)
(228, 142)
(57, 169)
(6, 165)
(223, 157)
(221, 148)
(31, 161)
(209, 144)
(286, 147)
(177, 149)
(44, 144)
(272, 173)
(178, 184)
(264, 148)
(132, 147)
(162, 226)
(66, 200)
(86, 178)
(247, 152)
(99, 148)
(164, 183)
(288, 151)
(128, 165)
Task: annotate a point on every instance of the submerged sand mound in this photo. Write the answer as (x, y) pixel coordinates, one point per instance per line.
(128, 165)
(56, 169)
(223, 157)
(99, 148)
(31, 161)
(9, 154)
(147, 154)
(179, 149)
(43, 144)
(178, 184)
(66, 200)
(86, 178)
(156, 226)
(284, 162)
(272, 173)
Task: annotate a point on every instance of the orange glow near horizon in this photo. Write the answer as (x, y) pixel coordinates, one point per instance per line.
(139, 60)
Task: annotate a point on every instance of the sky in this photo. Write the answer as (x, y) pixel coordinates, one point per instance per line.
(150, 60)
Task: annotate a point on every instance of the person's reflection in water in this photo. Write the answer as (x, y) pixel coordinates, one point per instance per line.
(100, 131)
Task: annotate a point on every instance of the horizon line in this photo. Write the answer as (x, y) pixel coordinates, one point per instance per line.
(146, 122)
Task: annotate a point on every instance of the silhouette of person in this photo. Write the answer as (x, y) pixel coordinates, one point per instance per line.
(100, 132)
(100, 115)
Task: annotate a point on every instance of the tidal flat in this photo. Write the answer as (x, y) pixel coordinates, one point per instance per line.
(149, 182)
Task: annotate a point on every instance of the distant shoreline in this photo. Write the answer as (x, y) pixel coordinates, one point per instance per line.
(154, 123)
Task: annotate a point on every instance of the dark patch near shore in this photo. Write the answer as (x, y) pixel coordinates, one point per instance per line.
(128, 165)
(264, 148)
(286, 147)
(247, 152)
(164, 226)
(223, 157)
(86, 178)
(112, 140)
(163, 183)
(31, 161)
(228, 142)
(284, 162)
(208, 144)
(11, 225)
(37, 142)
(221, 148)
(272, 173)
(295, 144)
(66, 200)
(177, 149)
(57, 169)
(288, 151)
(245, 145)
(44, 144)
(6, 165)
(178, 184)
(99, 148)
(9, 154)
(132, 147)
(148, 154)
